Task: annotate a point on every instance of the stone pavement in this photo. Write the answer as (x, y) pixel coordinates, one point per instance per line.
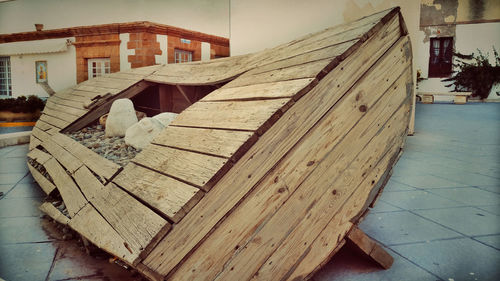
(438, 216)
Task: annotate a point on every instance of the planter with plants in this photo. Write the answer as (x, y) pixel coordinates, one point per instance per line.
(21, 108)
(474, 73)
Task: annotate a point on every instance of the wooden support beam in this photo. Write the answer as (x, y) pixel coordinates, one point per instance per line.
(97, 112)
(183, 93)
(165, 98)
(370, 248)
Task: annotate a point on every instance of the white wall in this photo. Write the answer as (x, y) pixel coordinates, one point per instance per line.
(209, 16)
(163, 58)
(125, 52)
(260, 24)
(468, 39)
(61, 72)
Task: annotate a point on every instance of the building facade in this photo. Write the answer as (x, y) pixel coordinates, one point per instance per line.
(450, 27)
(60, 58)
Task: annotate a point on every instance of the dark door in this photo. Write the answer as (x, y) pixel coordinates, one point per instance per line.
(441, 53)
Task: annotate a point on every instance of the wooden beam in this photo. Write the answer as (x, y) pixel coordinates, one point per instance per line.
(165, 98)
(183, 93)
(95, 113)
(370, 248)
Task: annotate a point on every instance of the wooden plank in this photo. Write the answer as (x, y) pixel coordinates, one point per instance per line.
(69, 101)
(70, 162)
(267, 151)
(69, 118)
(319, 52)
(286, 236)
(56, 122)
(34, 142)
(305, 70)
(63, 108)
(99, 165)
(44, 126)
(314, 147)
(39, 156)
(170, 197)
(95, 113)
(54, 213)
(70, 193)
(235, 115)
(322, 247)
(223, 143)
(40, 134)
(282, 89)
(134, 222)
(195, 168)
(42, 181)
(370, 248)
(89, 223)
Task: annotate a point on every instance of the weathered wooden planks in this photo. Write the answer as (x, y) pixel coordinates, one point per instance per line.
(95, 228)
(42, 181)
(172, 198)
(282, 89)
(39, 156)
(99, 165)
(235, 115)
(269, 149)
(70, 193)
(195, 168)
(314, 147)
(54, 213)
(222, 143)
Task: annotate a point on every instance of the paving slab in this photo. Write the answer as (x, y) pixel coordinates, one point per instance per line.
(348, 265)
(14, 165)
(22, 230)
(26, 262)
(403, 227)
(491, 240)
(11, 178)
(470, 195)
(382, 207)
(492, 209)
(18, 151)
(19, 207)
(456, 259)
(426, 181)
(491, 188)
(417, 200)
(467, 220)
(393, 185)
(466, 178)
(26, 190)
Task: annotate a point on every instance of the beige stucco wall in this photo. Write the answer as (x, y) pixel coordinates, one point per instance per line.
(61, 72)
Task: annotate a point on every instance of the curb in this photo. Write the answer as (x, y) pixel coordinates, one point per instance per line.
(14, 138)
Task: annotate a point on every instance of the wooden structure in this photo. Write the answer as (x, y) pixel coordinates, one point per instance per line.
(274, 159)
(458, 97)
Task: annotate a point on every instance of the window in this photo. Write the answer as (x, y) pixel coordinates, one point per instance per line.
(5, 82)
(441, 53)
(183, 56)
(98, 67)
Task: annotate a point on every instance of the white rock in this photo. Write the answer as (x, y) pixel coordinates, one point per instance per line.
(142, 133)
(121, 116)
(166, 117)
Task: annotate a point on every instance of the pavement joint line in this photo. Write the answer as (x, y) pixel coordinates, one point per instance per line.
(498, 249)
(403, 257)
(27, 243)
(53, 263)
(439, 224)
(436, 208)
(8, 191)
(440, 176)
(428, 241)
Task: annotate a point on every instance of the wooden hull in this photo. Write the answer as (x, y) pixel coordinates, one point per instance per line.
(260, 179)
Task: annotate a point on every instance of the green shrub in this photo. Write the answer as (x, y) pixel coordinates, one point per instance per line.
(475, 73)
(22, 104)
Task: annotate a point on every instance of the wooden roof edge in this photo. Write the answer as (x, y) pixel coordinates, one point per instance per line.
(114, 28)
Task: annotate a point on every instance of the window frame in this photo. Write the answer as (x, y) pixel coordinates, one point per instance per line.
(103, 64)
(179, 58)
(6, 83)
(440, 61)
